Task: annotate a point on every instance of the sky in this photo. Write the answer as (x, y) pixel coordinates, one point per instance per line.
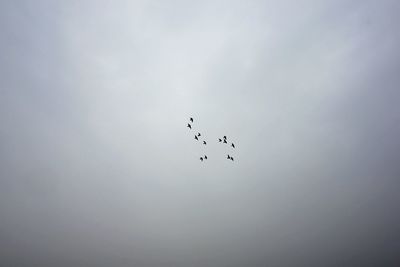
(98, 168)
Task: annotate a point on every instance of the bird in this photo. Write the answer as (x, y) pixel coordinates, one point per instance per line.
(201, 158)
(233, 145)
(224, 136)
(232, 158)
(229, 157)
(225, 141)
(220, 140)
(204, 142)
(191, 119)
(189, 126)
(195, 137)
(198, 134)
(205, 156)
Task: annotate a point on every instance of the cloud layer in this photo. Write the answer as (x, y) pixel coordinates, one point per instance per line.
(97, 167)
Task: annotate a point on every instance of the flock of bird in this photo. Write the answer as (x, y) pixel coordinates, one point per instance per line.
(221, 140)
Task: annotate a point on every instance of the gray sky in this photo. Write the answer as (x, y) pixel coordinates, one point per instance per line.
(97, 167)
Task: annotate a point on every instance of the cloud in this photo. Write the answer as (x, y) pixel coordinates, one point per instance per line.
(97, 167)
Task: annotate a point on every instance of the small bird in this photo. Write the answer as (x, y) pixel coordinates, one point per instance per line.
(205, 156)
(220, 140)
(189, 126)
(224, 136)
(232, 158)
(229, 157)
(233, 145)
(204, 142)
(191, 119)
(225, 141)
(201, 158)
(195, 137)
(198, 134)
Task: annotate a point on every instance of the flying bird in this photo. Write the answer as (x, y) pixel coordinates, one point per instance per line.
(220, 140)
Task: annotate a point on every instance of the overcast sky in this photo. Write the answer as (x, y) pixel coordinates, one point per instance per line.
(98, 168)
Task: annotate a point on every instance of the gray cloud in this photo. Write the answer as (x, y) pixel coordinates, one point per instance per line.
(98, 169)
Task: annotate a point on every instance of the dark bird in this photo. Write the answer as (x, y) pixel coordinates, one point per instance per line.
(191, 119)
(201, 158)
(205, 156)
(229, 157)
(198, 134)
(204, 142)
(225, 141)
(224, 136)
(195, 137)
(232, 158)
(189, 126)
(220, 140)
(233, 145)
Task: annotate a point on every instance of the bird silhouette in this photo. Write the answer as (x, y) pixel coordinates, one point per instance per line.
(224, 140)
